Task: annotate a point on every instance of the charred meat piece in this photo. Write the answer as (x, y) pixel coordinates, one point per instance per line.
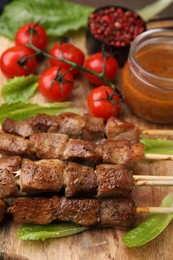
(93, 128)
(13, 145)
(121, 152)
(8, 186)
(117, 130)
(85, 212)
(83, 151)
(70, 124)
(113, 180)
(35, 210)
(48, 145)
(118, 212)
(43, 123)
(40, 176)
(3, 207)
(22, 128)
(79, 180)
(11, 163)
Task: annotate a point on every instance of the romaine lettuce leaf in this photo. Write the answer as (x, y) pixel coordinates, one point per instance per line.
(57, 16)
(19, 88)
(23, 110)
(157, 146)
(42, 232)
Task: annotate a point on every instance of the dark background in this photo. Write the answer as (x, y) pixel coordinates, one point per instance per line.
(133, 4)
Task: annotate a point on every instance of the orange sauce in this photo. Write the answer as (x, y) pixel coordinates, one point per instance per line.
(153, 103)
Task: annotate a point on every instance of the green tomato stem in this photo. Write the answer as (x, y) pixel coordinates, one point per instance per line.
(75, 65)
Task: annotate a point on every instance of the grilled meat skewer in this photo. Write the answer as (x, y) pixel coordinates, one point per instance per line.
(60, 146)
(118, 212)
(55, 175)
(84, 127)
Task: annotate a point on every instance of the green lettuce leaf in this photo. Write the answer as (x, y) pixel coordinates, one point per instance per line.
(151, 227)
(23, 110)
(57, 16)
(158, 146)
(42, 232)
(19, 88)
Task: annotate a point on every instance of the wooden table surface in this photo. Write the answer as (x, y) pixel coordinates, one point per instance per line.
(96, 244)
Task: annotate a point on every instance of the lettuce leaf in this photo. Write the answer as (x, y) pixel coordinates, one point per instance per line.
(151, 227)
(58, 17)
(42, 232)
(157, 146)
(20, 88)
(23, 110)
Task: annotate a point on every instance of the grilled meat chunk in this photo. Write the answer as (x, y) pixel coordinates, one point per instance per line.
(79, 180)
(121, 152)
(93, 128)
(35, 210)
(40, 176)
(85, 212)
(71, 124)
(119, 212)
(84, 151)
(3, 207)
(7, 184)
(48, 145)
(117, 130)
(113, 180)
(43, 123)
(22, 128)
(13, 145)
(11, 163)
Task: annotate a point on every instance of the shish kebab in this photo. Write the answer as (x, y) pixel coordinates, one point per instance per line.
(21, 177)
(86, 127)
(119, 212)
(60, 146)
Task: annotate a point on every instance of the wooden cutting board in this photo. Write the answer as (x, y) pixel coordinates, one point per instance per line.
(95, 244)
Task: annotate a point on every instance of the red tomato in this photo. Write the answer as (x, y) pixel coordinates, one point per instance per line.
(96, 64)
(39, 38)
(69, 52)
(53, 87)
(101, 103)
(15, 61)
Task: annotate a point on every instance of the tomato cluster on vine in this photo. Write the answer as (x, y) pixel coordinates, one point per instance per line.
(66, 60)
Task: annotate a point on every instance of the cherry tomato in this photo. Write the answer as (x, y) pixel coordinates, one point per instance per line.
(39, 38)
(69, 52)
(96, 64)
(53, 86)
(15, 61)
(103, 102)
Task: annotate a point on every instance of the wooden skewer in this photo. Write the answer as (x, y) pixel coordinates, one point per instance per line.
(139, 210)
(152, 177)
(157, 132)
(161, 210)
(154, 183)
(149, 156)
(142, 180)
